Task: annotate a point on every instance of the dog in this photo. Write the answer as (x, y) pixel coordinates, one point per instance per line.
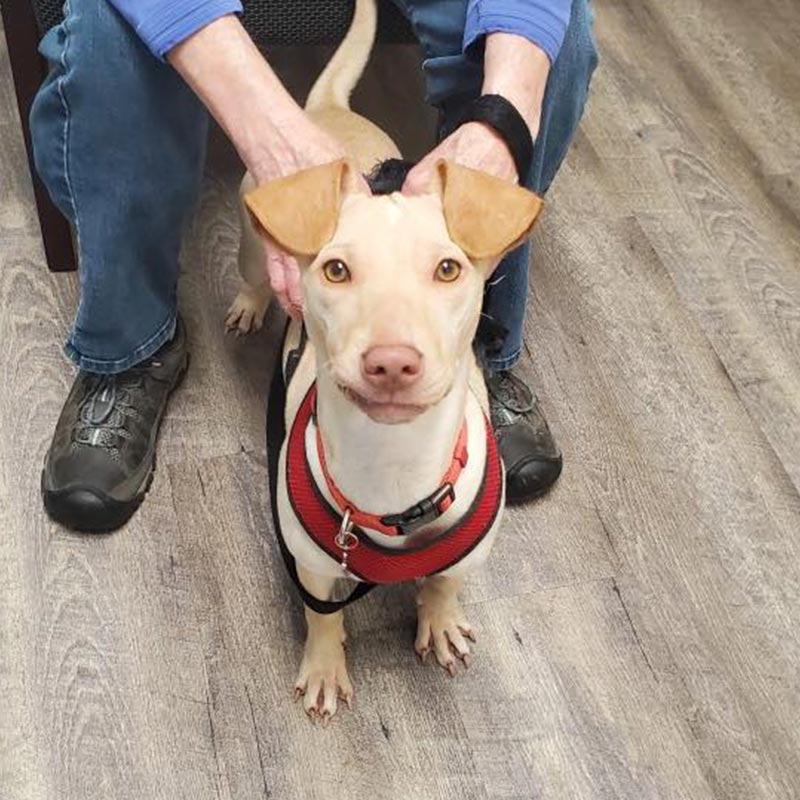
(389, 470)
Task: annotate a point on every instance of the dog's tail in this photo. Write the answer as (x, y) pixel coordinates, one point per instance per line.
(337, 81)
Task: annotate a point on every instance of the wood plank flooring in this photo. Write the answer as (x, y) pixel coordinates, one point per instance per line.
(639, 629)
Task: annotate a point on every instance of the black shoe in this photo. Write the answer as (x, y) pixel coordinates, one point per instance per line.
(102, 457)
(530, 454)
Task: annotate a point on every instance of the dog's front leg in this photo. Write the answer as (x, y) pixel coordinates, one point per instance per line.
(323, 677)
(441, 624)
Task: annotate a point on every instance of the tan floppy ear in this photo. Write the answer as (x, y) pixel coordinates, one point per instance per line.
(485, 216)
(300, 211)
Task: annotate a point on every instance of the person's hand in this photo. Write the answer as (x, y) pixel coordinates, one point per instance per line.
(514, 68)
(473, 145)
(277, 158)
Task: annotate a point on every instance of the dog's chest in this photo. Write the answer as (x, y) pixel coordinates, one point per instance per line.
(309, 546)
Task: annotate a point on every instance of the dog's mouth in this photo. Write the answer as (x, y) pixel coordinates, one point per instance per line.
(386, 411)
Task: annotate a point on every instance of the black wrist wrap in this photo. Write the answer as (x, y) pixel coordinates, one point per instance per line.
(500, 115)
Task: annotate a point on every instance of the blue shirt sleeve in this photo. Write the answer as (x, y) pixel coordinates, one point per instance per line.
(543, 22)
(162, 24)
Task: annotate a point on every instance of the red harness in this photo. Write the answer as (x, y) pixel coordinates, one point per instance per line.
(365, 559)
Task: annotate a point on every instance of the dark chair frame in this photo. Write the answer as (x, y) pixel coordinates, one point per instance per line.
(29, 70)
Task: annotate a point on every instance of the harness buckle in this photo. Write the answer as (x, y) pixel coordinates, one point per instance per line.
(427, 510)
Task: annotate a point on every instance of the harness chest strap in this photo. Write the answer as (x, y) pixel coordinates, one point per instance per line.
(367, 560)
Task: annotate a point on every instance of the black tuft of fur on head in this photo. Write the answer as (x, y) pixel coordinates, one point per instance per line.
(388, 176)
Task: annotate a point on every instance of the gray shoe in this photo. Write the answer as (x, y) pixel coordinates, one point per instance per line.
(102, 457)
(530, 454)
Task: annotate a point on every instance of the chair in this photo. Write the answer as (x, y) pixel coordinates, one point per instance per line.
(269, 22)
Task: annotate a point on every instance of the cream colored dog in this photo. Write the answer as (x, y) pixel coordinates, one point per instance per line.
(392, 290)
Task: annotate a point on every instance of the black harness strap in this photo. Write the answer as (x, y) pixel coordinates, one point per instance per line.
(293, 359)
(276, 432)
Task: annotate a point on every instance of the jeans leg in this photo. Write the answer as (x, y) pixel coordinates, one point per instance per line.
(450, 77)
(119, 141)
(564, 101)
(452, 80)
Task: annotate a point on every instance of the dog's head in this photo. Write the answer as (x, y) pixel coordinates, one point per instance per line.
(393, 284)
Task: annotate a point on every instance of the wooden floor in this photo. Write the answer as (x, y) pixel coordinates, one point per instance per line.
(639, 629)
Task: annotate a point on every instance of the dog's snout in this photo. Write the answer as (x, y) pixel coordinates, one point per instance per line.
(391, 367)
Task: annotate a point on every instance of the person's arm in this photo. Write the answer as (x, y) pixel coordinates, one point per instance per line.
(514, 68)
(162, 24)
(518, 39)
(271, 132)
(542, 22)
(205, 42)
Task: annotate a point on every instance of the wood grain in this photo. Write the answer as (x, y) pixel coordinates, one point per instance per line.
(415, 731)
(706, 531)
(721, 203)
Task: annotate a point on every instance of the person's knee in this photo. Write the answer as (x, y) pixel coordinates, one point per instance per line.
(439, 26)
(565, 97)
(92, 36)
(568, 86)
(578, 56)
(105, 86)
(86, 53)
(48, 119)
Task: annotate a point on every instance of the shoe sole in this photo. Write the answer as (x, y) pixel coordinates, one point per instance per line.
(85, 509)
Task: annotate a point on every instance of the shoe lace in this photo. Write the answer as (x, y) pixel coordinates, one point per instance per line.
(509, 392)
(105, 411)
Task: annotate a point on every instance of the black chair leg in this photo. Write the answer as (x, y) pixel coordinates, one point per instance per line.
(29, 70)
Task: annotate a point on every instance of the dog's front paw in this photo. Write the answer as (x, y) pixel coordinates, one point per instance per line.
(323, 680)
(441, 624)
(246, 313)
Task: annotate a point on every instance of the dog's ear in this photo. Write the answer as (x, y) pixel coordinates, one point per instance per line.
(485, 216)
(300, 211)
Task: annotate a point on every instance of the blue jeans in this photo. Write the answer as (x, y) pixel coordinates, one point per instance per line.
(119, 141)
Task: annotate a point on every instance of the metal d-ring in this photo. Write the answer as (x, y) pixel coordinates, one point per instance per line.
(346, 540)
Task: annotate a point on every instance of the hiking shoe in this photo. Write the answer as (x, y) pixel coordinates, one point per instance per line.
(530, 454)
(101, 461)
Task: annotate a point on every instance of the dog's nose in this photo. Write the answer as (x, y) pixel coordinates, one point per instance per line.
(392, 367)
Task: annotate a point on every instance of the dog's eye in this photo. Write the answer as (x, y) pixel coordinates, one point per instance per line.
(336, 271)
(447, 270)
